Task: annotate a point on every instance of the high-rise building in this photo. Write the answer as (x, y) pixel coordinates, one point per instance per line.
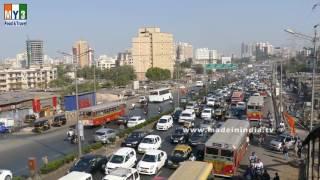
(184, 51)
(124, 58)
(205, 56)
(247, 50)
(81, 53)
(34, 52)
(152, 48)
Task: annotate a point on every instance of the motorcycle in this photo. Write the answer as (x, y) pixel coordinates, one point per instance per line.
(70, 133)
(74, 139)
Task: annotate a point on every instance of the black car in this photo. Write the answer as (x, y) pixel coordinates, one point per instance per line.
(90, 163)
(176, 114)
(179, 136)
(59, 120)
(134, 139)
(197, 138)
(122, 120)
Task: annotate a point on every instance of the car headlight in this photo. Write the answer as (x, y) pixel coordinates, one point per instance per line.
(181, 137)
(170, 162)
(135, 142)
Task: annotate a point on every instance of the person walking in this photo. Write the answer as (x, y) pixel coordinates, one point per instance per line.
(299, 151)
(285, 151)
(276, 177)
(265, 175)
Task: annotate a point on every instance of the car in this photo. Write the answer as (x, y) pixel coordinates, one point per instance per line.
(191, 105)
(151, 162)
(179, 154)
(90, 163)
(135, 120)
(188, 124)
(164, 123)
(104, 135)
(276, 144)
(208, 125)
(123, 174)
(143, 99)
(5, 174)
(199, 84)
(179, 136)
(41, 125)
(176, 114)
(134, 139)
(207, 113)
(211, 101)
(30, 118)
(124, 157)
(77, 175)
(198, 109)
(129, 93)
(122, 120)
(59, 120)
(187, 115)
(149, 142)
(241, 105)
(256, 94)
(198, 137)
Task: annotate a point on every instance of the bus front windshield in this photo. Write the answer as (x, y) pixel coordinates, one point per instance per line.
(154, 93)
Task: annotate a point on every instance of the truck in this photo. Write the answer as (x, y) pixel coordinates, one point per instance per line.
(6, 125)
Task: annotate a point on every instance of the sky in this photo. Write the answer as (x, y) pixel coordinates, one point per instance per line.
(109, 25)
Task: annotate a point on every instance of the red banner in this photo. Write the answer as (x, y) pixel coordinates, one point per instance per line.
(36, 106)
(291, 122)
(54, 101)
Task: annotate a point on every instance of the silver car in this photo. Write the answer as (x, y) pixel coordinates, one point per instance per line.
(208, 125)
(104, 134)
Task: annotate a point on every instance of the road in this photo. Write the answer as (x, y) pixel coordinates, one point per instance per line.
(15, 150)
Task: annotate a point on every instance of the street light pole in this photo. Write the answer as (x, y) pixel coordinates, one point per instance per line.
(77, 107)
(281, 103)
(313, 75)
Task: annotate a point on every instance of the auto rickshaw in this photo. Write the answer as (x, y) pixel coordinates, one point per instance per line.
(41, 125)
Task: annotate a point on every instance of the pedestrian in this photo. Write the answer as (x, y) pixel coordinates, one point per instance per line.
(285, 151)
(251, 137)
(276, 177)
(299, 149)
(265, 175)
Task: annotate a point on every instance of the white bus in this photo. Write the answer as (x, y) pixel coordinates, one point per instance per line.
(160, 95)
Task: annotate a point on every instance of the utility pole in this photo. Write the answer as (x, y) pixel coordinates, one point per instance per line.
(313, 75)
(77, 106)
(281, 100)
(177, 79)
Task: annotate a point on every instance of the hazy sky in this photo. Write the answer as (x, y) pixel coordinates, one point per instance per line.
(109, 25)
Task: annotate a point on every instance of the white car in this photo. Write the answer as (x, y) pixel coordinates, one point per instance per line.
(187, 115)
(124, 157)
(135, 120)
(210, 101)
(142, 99)
(149, 142)
(199, 83)
(207, 113)
(123, 174)
(151, 162)
(5, 174)
(164, 123)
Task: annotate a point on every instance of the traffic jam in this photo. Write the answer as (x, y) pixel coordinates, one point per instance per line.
(190, 134)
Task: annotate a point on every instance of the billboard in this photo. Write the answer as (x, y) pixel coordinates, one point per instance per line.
(85, 100)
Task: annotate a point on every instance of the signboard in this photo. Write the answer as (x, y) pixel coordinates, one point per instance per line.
(221, 66)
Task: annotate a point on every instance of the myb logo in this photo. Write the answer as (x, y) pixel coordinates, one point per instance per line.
(15, 14)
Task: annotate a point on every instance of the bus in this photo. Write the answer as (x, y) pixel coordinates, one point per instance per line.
(236, 97)
(226, 148)
(160, 95)
(255, 107)
(192, 170)
(101, 114)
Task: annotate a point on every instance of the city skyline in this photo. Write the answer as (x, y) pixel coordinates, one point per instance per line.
(109, 26)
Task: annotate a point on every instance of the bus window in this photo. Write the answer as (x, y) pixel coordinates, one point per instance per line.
(212, 151)
(164, 92)
(85, 114)
(258, 108)
(250, 107)
(154, 93)
(226, 153)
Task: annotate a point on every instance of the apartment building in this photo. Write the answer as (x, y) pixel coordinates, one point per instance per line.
(34, 77)
(152, 48)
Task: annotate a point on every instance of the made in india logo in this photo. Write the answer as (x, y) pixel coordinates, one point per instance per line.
(15, 14)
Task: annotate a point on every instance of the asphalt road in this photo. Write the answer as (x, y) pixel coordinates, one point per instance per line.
(15, 150)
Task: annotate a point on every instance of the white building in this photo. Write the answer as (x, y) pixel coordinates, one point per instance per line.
(184, 51)
(225, 60)
(124, 58)
(213, 55)
(19, 78)
(106, 62)
(206, 56)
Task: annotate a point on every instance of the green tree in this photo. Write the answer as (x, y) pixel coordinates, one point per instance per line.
(121, 75)
(158, 74)
(198, 68)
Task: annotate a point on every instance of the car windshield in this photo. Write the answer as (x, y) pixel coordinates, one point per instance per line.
(147, 140)
(177, 112)
(133, 119)
(116, 159)
(162, 120)
(186, 114)
(178, 153)
(178, 131)
(207, 122)
(197, 134)
(134, 135)
(280, 138)
(154, 93)
(83, 163)
(206, 111)
(100, 133)
(149, 158)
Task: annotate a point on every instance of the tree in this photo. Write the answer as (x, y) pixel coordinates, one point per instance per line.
(121, 75)
(198, 68)
(158, 74)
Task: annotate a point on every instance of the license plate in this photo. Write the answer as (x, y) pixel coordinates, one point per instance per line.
(175, 141)
(128, 144)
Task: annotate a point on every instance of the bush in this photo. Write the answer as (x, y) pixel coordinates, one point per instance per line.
(51, 166)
